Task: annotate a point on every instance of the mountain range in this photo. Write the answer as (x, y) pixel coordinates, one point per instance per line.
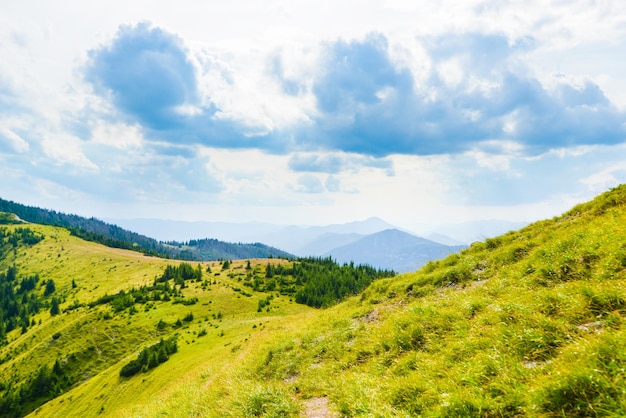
(296, 239)
(373, 241)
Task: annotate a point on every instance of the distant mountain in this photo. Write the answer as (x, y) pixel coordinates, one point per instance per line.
(93, 229)
(392, 249)
(328, 241)
(299, 240)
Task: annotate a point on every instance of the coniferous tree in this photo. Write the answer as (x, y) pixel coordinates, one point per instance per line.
(50, 288)
(54, 308)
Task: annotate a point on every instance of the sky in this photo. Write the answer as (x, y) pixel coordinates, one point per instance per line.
(312, 112)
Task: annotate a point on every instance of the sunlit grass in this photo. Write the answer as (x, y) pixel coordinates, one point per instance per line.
(526, 324)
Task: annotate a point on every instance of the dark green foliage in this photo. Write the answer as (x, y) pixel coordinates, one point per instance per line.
(212, 249)
(28, 283)
(12, 238)
(263, 303)
(54, 307)
(324, 282)
(160, 290)
(317, 282)
(17, 302)
(47, 383)
(90, 229)
(186, 301)
(226, 265)
(181, 273)
(50, 288)
(150, 357)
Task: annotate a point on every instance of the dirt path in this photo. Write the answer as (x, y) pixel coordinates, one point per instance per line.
(318, 408)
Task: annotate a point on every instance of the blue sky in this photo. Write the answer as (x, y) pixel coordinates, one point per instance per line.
(312, 112)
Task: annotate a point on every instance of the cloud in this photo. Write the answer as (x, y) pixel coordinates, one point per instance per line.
(11, 140)
(334, 163)
(66, 150)
(333, 184)
(610, 176)
(151, 79)
(320, 163)
(308, 183)
(147, 73)
(478, 90)
(473, 181)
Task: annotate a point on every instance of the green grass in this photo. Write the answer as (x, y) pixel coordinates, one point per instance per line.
(527, 324)
(98, 341)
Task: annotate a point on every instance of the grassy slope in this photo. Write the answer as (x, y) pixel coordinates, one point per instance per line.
(528, 324)
(101, 346)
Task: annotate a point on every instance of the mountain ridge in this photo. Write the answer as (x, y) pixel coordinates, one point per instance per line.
(392, 249)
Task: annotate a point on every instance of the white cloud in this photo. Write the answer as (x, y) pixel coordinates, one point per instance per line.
(605, 179)
(16, 142)
(65, 149)
(117, 135)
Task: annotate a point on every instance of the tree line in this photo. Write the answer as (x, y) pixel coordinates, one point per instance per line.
(315, 281)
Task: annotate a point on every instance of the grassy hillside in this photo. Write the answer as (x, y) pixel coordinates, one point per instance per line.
(526, 324)
(74, 314)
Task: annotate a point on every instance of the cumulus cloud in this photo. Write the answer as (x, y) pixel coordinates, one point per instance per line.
(150, 78)
(147, 73)
(478, 90)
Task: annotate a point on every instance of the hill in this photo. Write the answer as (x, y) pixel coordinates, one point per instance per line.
(530, 323)
(75, 313)
(392, 249)
(93, 229)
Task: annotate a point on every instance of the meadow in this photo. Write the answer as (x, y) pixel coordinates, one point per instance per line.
(526, 324)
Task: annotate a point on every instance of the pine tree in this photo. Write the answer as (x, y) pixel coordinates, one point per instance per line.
(54, 309)
(50, 288)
